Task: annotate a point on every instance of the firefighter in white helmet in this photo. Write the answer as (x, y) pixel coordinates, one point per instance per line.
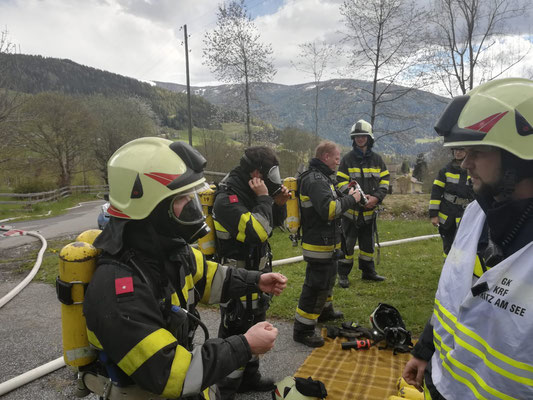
(366, 168)
(477, 344)
(140, 304)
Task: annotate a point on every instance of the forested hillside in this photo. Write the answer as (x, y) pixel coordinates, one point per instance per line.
(35, 74)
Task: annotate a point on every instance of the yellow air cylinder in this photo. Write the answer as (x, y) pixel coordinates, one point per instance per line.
(77, 262)
(292, 222)
(88, 236)
(206, 244)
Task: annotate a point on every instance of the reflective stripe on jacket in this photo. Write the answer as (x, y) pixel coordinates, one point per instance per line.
(483, 346)
(243, 221)
(370, 171)
(149, 342)
(321, 208)
(450, 193)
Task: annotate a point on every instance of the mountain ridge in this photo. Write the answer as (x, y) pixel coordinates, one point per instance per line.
(341, 103)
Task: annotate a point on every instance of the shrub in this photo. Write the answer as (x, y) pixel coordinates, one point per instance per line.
(34, 186)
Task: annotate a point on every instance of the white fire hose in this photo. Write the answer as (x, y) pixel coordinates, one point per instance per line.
(384, 244)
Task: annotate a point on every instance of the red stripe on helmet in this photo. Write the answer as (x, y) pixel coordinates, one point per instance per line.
(486, 125)
(116, 213)
(164, 179)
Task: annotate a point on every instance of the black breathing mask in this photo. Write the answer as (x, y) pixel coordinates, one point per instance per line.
(271, 175)
(272, 180)
(188, 225)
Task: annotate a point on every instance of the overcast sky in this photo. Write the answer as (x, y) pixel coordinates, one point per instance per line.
(142, 38)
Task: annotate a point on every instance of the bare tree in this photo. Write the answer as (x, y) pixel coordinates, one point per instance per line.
(117, 121)
(57, 131)
(465, 31)
(386, 37)
(235, 54)
(10, 100)
(313, 60)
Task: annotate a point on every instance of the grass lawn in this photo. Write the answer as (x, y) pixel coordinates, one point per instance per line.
(412, 271)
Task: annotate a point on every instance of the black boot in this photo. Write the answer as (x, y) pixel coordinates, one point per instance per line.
(343, 281)
(305, 334)
(257, 383)
(329, 314)
(369, 271)
(309, 339)
(373, 276)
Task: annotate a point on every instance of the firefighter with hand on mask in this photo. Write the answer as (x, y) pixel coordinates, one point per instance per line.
(249, 202)
(140, 305)
(477, 344)
(366, 168)
(450, 194)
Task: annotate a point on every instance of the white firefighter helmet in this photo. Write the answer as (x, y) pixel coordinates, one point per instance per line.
(361, 128)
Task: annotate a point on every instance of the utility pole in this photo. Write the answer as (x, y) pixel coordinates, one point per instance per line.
(188, 82)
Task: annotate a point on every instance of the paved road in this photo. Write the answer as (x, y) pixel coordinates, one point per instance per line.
(76, 220)
(30, 324)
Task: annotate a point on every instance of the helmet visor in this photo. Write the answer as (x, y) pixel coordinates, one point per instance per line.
(186, 208)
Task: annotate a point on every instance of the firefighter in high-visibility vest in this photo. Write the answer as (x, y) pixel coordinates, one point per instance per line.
(140, 303)
(249, 202)
(477, 344)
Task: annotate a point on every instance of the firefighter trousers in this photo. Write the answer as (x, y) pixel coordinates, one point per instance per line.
(354, 233)
(317, 292)
(230, 385)
(447, 233)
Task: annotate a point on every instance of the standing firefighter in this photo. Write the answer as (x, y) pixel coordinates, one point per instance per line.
(140, 305)
(363, 167)
(249, 203)
(450, 194)
(321, 207)
(477, 344)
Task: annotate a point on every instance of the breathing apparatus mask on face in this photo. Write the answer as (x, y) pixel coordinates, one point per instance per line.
(185, 211)
(271, 176)
(180, 216)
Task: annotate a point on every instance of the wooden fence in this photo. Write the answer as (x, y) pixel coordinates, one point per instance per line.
(53, 195)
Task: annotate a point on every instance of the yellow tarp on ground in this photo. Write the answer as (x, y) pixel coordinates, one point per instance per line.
(354, 374)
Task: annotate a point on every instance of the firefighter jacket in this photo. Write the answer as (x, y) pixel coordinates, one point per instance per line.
(473, 351)
(134, 313)
(370, 172)
(450, 194)
(244, 221)
(321, 207)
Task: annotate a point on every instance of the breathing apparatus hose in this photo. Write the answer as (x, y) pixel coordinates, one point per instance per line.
(199, 322)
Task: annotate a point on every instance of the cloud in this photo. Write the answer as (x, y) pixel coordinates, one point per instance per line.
(142, 38)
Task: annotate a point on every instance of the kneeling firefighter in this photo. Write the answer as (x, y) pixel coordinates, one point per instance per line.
(140, 304)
